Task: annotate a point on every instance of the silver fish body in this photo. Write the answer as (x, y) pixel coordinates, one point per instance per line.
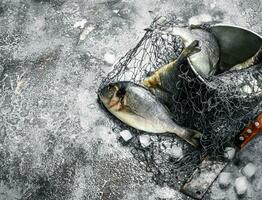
(138, 108)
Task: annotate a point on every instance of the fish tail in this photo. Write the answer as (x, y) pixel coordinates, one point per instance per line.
(192, 48)
(192, 137)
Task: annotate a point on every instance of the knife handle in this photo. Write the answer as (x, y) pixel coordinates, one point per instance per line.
(249, 132)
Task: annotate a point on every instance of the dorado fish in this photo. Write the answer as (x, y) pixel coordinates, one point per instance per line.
(139, 108)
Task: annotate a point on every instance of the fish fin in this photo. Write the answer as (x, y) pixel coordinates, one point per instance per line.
(191, 49)
(194, 51)
(193, 137)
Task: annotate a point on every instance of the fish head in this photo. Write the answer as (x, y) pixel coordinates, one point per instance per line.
(112, 95)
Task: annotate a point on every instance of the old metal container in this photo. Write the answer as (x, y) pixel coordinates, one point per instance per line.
(236, 43)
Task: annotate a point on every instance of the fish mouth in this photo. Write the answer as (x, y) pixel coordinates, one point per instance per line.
(112, 103)
(108, 97)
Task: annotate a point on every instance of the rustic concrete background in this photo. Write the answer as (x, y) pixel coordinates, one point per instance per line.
(55, 141)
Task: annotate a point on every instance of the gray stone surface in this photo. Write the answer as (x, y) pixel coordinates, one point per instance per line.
(55, 141)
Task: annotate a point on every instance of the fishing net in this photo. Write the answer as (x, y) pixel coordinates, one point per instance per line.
(219, 107)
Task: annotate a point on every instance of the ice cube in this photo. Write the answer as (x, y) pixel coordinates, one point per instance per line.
(109, 58)
(116, 11)
(224, 179)
(247, 89)
(164, 36)
(249, 170)
(175, 152)
(145, 140)
(85, 32)
(80, 24)
(229, 153)
(126, 135)
(241, 185)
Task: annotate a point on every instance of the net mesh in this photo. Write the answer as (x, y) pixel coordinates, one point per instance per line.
(219, 107)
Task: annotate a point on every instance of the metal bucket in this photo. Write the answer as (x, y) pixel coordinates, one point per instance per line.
(237, 44)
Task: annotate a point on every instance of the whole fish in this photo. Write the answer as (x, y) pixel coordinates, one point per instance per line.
(139, 108)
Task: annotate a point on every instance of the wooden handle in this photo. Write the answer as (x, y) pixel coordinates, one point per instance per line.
(249, 132)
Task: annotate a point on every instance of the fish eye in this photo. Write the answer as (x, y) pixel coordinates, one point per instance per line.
(110, 87)
(121, 92)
